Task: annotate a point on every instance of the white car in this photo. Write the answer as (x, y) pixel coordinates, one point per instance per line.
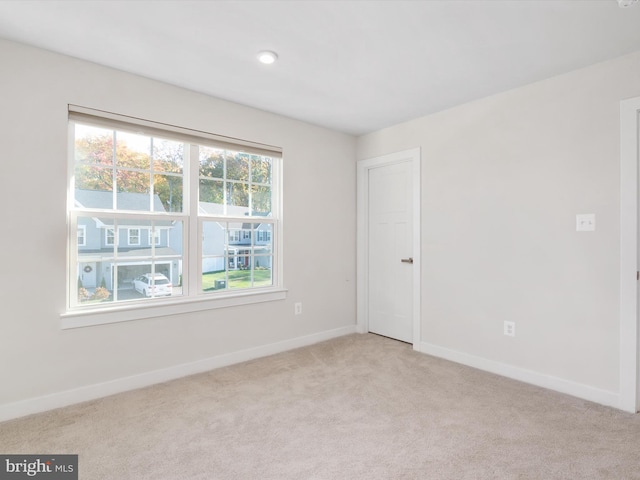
(152, 285)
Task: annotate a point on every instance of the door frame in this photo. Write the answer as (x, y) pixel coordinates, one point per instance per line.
(629, 354)
(364, 166)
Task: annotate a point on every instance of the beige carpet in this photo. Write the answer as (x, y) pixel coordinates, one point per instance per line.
(357, 407)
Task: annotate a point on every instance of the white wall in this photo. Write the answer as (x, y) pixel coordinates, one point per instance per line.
(502, 181)
(37, 358)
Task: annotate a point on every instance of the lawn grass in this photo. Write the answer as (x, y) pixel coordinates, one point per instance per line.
(237, 279)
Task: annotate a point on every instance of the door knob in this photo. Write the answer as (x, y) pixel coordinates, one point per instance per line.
(407, 260)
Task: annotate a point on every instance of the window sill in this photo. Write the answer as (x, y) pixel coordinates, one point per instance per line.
(162, 308)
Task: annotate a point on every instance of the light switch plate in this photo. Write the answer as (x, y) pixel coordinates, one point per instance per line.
(585, 222)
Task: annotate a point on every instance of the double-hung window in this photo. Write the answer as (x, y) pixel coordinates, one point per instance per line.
(199, 197)
(134, 236)
(109, 236)
(154, 237)
(82, 235)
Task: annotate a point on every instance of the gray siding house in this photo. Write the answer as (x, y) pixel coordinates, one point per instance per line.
(114, 256)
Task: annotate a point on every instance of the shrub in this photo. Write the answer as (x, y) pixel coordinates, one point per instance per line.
(83, 294)
(101, 294)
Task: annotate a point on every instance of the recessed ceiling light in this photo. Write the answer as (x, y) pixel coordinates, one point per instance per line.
(267, 57)
(626, 3)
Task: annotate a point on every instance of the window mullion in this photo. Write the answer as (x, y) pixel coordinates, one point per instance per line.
(73, 259)
(276, 229)
(114, 173)
(194, 237)
(225, 186)
(152, 187)
(249, 183)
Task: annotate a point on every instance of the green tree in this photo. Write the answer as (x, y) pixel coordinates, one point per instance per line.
(261, 194)
(168, 162)
(241, 168)
(212, 168)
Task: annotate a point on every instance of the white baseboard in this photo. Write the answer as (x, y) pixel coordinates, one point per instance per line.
(586, 392)
(91, 392)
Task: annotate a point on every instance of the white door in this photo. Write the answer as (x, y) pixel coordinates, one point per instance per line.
(88, 275)
(629, 255)
(390, 252)
(636, 345)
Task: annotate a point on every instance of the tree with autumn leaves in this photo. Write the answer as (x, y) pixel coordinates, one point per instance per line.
(96, 158)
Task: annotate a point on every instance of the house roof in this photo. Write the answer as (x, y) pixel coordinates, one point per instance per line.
(247, 249)
(125, 200)
(217, 209)
(128, 253)
(102, 222)
(232, 210)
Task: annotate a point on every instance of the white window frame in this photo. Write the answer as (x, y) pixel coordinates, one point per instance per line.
(263, 236)
(129, 235)
(110, 240)
(192, 299)
(154, 237)
(83, 235)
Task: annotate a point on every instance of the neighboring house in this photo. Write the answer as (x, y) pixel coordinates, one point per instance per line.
(237, 249)
(99, 263)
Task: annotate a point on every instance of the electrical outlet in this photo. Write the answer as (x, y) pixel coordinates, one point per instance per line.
(510, 329)
(297, 308)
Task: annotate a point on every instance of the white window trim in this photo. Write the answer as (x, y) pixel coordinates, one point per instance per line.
(161, 308)
(106, 236)
(82, 228)
(129, 230)
(263, 236)
(154, 239)
(193, 298)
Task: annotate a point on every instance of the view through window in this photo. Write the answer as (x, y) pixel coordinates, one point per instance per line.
(141, 196)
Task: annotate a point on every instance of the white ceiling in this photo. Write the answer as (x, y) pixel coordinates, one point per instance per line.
(353, 66)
